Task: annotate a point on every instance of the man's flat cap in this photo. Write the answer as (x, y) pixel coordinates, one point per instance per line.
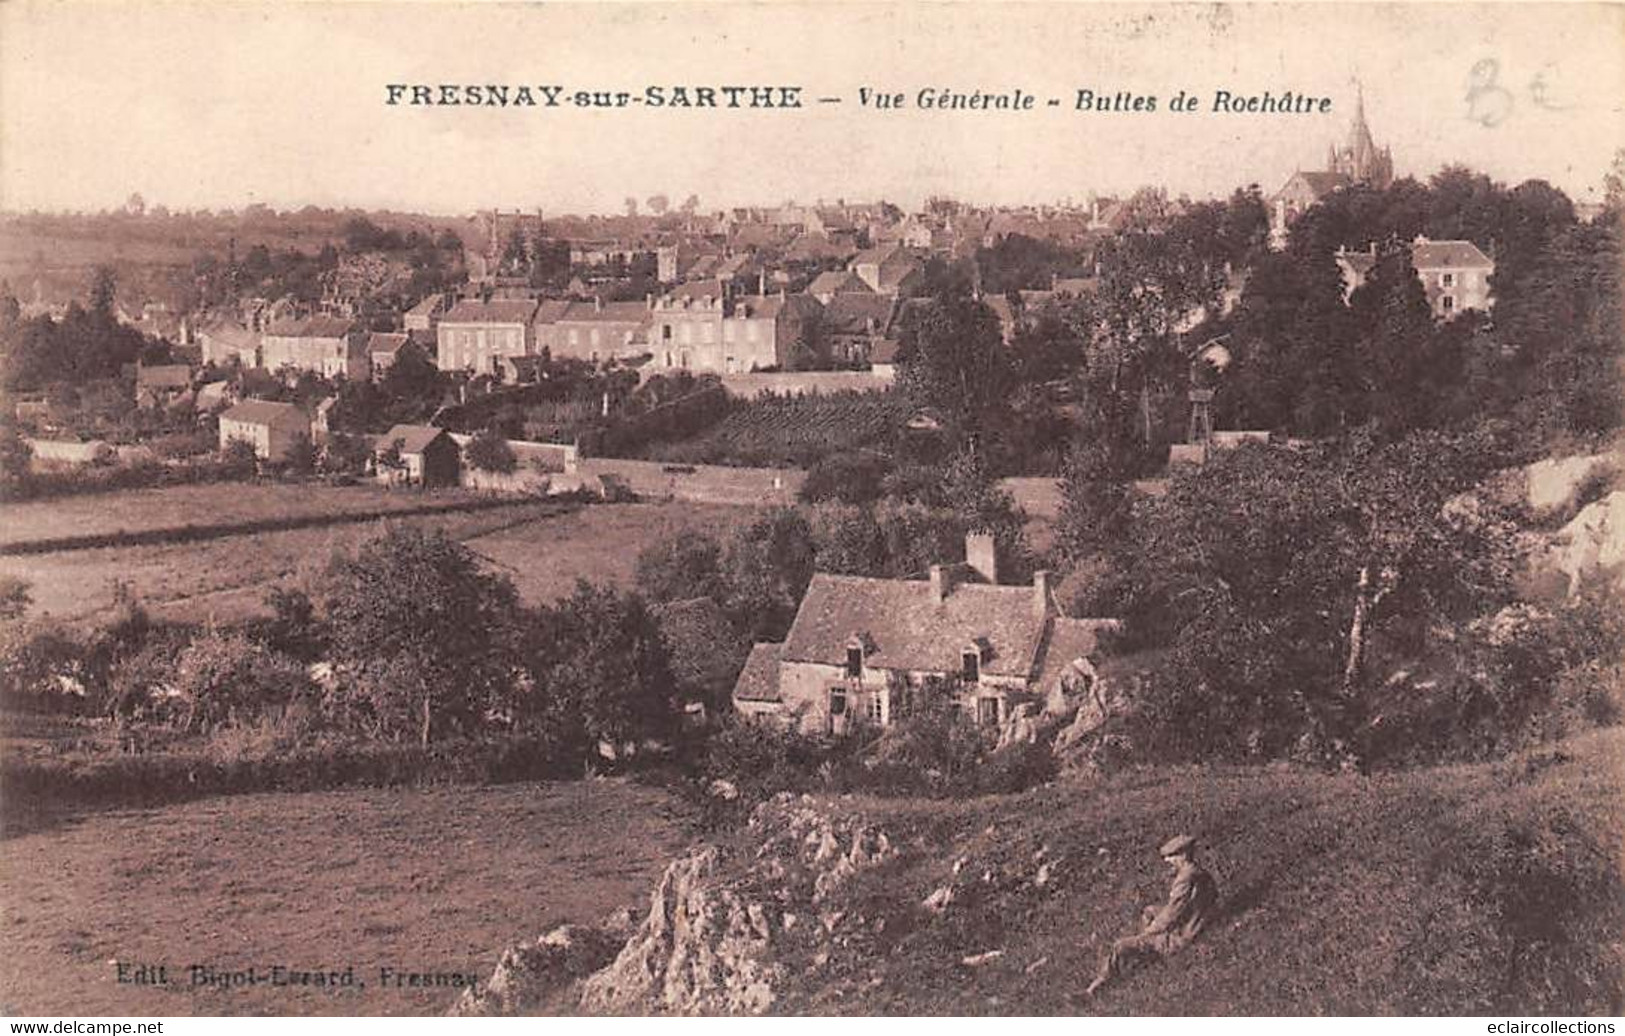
(1178, 845)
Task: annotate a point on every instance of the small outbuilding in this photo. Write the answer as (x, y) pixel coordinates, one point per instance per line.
(429, 456)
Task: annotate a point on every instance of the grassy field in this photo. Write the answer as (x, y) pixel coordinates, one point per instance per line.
(140, 509)
(420, 881)
(599, 543)
(542, 550)
(1462, 890)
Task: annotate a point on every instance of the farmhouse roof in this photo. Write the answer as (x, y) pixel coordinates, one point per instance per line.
(426, 307)
(759, 680)
(839, 282)
(264, 411)
(911, 630)
(852, 313)
(1068, 641)
(885, 351)
(233, 335)
(1323, 183)
(312, 327)
(496, 311)
(768, 307)
(1426, 254)
(693, 290)
(414, 438)
(877, 255)
(385, 342)
(607, 313)
(811, 246)
(169, 375)
(1074, 285)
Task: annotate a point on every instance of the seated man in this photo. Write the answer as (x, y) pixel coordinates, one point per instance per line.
(1192, 903)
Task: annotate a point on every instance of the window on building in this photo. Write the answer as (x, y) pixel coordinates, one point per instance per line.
(1448, 303)
(970, 669)
(873, 708)
(665, 334)
(1447, 280)
(987, 712)
(854, 661)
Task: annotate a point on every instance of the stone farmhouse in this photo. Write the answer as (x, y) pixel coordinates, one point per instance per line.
(861, 649)
(382, 349)
(475, 335)
(702, 327)
(327, 345)
(157, 386)
(1455, 274)
(429, 457)
(271, 427)
(224, 343)
(594, 331)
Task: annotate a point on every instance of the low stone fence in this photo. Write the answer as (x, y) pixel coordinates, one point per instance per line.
(704, 483)
(553, 456)
(58, 451)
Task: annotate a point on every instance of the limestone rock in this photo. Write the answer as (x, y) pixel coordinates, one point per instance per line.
(1592, 543)
(1552, 486)
(720, 935)
(1021, 727)
(525, 976)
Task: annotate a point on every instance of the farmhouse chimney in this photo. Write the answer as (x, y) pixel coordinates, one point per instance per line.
(981, 556)
(1041, 595)
(598, 303)
(942, 582)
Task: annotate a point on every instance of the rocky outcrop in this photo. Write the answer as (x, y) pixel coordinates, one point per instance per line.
(723, 928)
(1553, 486)
(1592, 544)
(528, 977)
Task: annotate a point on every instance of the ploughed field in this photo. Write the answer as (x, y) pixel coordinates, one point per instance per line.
(407, 889)
(543, 546)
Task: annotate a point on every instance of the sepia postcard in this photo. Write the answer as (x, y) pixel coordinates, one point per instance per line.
(785, 508)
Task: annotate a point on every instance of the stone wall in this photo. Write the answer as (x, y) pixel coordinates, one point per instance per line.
(801, 383)
(703, 483)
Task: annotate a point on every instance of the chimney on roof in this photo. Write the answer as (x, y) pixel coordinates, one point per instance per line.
(1042, 605)
(761, 282)
(598, 303)
(981, 556)
(942, 582)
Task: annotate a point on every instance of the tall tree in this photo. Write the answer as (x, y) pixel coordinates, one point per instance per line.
(421, 633)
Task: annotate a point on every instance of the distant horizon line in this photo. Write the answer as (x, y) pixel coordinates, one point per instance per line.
(1590, 194)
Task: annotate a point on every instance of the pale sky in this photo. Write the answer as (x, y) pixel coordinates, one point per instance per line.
(224, 104)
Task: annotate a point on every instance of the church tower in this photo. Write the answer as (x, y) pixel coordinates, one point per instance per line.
(1360, 159)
